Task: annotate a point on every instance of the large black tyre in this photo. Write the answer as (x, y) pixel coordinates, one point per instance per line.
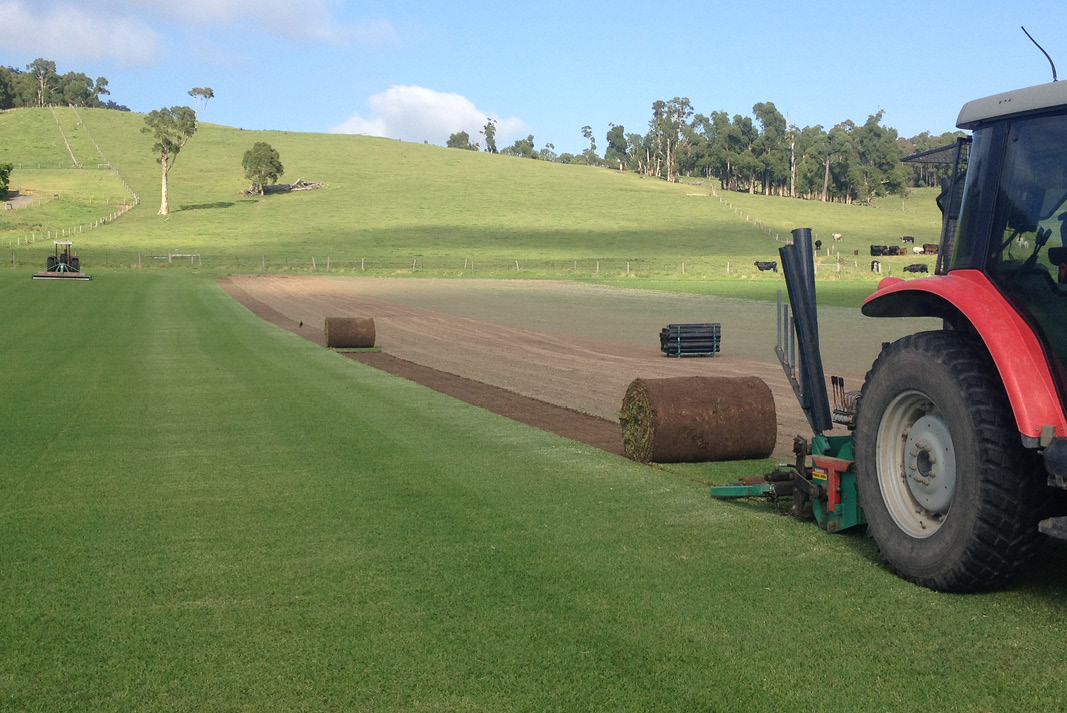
(76, 263)
(950, 495)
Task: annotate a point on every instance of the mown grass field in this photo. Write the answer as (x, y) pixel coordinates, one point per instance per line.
(199, 511)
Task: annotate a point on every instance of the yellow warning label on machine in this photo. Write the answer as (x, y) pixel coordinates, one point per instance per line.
(819, 474)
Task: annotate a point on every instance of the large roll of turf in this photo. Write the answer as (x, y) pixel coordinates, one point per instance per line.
(349, 332)
(693, 419)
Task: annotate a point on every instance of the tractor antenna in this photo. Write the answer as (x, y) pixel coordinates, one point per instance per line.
(1042, 52)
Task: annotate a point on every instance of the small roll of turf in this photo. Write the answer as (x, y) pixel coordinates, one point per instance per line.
(694, 419)
(349, 332)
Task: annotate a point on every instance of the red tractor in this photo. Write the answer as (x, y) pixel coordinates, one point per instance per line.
(960, 438)
(63, 265)
(957, 458)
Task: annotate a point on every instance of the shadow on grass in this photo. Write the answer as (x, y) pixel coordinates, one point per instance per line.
(207, 206)
(1047, 574)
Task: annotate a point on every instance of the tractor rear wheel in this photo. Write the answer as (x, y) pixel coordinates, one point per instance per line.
(950, 495)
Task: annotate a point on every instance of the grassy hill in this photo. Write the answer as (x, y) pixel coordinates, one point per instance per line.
(389, 206)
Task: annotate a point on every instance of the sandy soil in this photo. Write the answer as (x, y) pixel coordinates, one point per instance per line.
(568, 344)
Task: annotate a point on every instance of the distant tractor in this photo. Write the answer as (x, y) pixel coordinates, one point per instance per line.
(63, 265)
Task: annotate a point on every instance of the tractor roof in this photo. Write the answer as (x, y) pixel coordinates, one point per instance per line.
(1016, 102)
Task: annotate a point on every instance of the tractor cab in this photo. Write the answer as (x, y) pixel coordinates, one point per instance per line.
(1013, 214)
(1002, 263)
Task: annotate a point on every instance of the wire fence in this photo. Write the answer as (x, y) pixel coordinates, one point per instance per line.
(28, 238)
(834, 266)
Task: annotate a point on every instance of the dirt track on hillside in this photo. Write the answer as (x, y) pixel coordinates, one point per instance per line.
(542, 341)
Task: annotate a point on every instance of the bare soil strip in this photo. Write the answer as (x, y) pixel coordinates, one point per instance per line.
(584, 428)
(572, 346)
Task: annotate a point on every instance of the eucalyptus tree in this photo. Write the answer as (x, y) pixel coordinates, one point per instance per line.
(590, 155)
(43, 72)
(460, 140)
(769, 147)
(172, 128)
(812, 149)
(202, 96)
(5, 176)
(616, 151)
(669, 130)
(262, 164)
(7, 87)
(523, 148)
(490, 135)
(878, 159)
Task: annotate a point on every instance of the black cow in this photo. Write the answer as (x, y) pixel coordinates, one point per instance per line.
(915, 268)
(877, 250)
(764, 266)
(907, 239)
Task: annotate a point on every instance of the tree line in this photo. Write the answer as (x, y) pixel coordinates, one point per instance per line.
(40, 85)
(762, 153)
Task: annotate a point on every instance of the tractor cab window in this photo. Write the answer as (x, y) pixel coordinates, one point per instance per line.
(1027, 255)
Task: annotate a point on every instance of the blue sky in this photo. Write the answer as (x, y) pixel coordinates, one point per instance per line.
(418, 71)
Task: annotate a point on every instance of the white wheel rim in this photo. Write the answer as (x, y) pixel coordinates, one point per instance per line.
(916, 464)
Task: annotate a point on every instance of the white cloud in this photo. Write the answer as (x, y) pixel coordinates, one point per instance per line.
(419, 114)
(298, 20)
(122, 29)
(68, 32)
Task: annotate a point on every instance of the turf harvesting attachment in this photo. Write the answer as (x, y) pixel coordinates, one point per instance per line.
(693, 419)
(825, 490)
(349, 332)
(63, 265)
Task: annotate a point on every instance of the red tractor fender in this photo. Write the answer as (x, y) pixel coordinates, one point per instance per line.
(1016, 351)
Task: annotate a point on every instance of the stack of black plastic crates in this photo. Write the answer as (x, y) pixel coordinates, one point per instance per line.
(685, 340)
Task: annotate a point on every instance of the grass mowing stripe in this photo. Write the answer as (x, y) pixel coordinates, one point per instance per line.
(223, 516)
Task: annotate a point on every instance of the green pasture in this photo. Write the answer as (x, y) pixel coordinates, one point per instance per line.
(200, 511)
(391, 207)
